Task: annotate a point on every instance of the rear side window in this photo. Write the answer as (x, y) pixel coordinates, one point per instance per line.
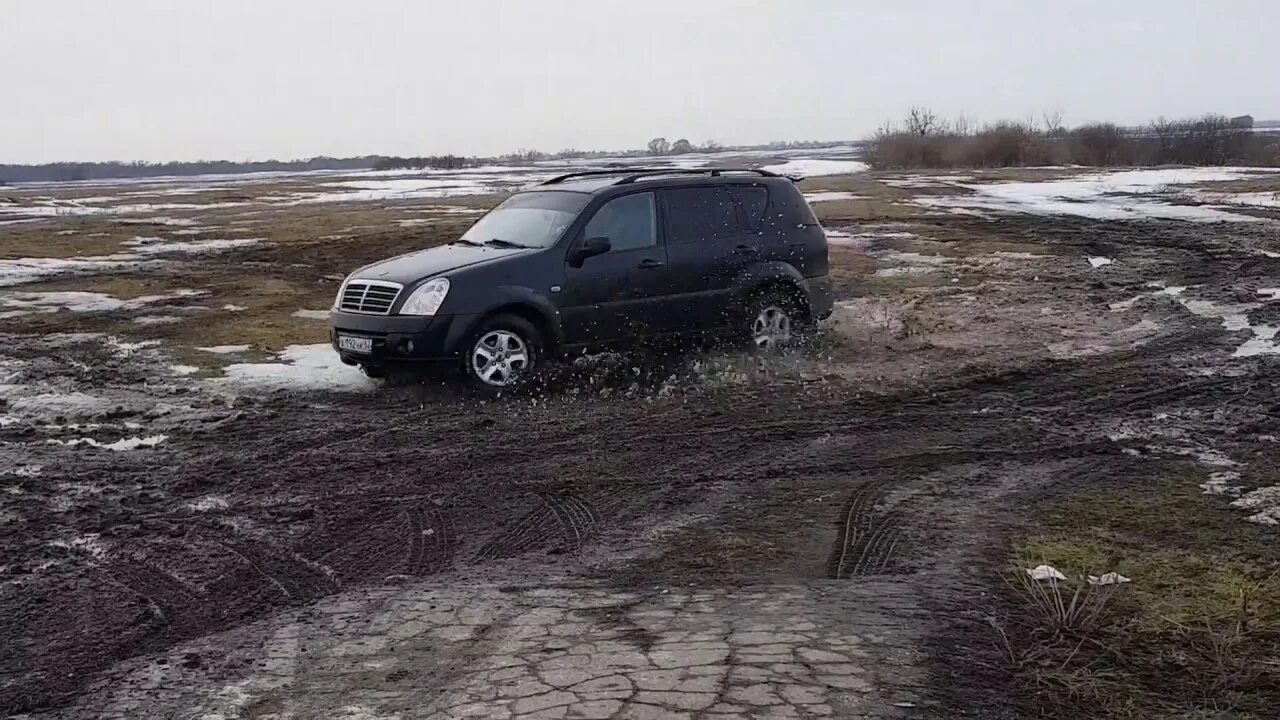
(630, 222)
(752, 202)
(700, 214)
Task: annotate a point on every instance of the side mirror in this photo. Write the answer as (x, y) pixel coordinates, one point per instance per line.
(589, 248)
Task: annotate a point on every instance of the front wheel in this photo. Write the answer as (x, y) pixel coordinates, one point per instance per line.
(502, 355)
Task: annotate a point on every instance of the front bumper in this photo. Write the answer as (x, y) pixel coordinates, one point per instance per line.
(402, 338)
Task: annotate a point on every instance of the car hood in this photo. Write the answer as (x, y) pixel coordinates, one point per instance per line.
(415, 266)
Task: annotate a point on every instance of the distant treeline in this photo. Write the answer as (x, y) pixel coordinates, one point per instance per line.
(434, 162)
(72, 171)
(77, 171)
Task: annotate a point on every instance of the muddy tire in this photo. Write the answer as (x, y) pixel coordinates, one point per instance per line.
(774, 322)
(502, 355)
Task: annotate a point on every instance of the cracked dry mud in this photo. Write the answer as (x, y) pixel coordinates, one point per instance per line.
(553, 652)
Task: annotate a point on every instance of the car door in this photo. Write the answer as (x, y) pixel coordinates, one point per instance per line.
(611, 296)
(708, 245)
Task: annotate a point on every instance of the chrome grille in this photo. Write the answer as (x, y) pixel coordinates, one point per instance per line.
(372, 297)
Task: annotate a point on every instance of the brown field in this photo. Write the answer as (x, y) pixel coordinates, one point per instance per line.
(839, 532)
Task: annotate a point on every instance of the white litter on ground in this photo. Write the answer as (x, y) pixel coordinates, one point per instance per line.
(1098, 261)
(121, 445)
(1045, 572)
(1111, 578)
(816, 168)
(302, 367)
(224, 349)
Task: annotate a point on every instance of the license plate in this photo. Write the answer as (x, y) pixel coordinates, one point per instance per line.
(355, 344)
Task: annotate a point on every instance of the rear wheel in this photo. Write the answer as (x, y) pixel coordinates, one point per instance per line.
(502, 355)
(775, 322)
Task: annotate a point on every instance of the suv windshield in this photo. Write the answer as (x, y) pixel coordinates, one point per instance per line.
(533, 219)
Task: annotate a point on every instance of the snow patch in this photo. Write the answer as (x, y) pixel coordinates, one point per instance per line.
(132, 443)
(1124, 195)
(1265, 500)
(302, 367)
(1099, 261)
(830, 196)
(811, 167)
(224, 349)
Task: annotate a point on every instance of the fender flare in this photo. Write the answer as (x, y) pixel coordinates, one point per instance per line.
(505, 296)
(756, 276)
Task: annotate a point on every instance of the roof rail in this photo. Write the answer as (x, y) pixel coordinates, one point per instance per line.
(713, 172)
(591, 173)
(636, 173)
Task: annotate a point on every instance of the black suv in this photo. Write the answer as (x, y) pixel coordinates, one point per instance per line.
(589, 261)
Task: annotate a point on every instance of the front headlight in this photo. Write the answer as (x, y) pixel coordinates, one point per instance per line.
(426, 299)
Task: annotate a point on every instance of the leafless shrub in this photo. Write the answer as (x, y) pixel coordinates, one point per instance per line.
(1101, 144)
(924, 139)
(1063, 606)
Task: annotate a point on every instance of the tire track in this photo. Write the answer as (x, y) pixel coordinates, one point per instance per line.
(866, 538)
(562, 519)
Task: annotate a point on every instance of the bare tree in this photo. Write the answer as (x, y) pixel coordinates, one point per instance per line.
(1053, 122)
(922, 121)
(659, 146)
(681, 146)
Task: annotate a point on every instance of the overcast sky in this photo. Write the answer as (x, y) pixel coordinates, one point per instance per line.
(256, 79)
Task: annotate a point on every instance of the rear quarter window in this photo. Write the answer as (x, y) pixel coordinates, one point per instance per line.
(788, 207)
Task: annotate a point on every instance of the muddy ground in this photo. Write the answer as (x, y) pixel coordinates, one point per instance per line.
(822, 534)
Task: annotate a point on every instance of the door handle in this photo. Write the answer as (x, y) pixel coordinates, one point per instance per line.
(650, 263)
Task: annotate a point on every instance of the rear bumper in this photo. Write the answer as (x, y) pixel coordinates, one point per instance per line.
(821, 298)
(401, 338)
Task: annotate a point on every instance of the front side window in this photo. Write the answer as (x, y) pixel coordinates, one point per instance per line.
(630, 222)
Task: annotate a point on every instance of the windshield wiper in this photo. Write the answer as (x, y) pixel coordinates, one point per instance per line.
(499, 242)
(465, 241)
